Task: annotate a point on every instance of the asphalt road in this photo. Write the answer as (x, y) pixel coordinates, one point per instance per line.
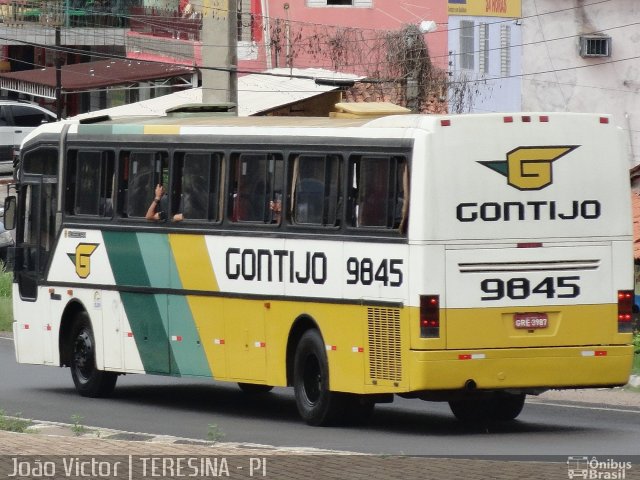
(193, 408)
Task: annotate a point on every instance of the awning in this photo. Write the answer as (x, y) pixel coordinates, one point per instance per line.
(89, 76)
(257, 93)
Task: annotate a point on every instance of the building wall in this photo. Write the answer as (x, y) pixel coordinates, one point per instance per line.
(557, 78)
(307, 20)
(485, 56)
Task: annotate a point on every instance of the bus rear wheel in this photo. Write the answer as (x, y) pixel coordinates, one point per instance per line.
(317, 405)
(88, 380)
(501, 407)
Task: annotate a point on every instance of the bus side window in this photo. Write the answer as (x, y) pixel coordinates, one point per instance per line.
(315, 181)
(195, 190)
(146, 170)
(257, 180)
(90, 183)
(123, 182)
(379, 185)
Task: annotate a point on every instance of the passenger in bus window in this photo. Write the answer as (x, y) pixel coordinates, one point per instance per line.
(193, 202)
(160, 206)
(275, 206)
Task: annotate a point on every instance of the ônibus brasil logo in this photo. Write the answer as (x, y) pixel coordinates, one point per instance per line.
(529, 168)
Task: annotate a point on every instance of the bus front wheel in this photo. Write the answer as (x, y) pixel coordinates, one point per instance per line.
(501, 407)
(317, 405)
(88, 380)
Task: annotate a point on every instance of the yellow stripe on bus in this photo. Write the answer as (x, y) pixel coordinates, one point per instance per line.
(162, 129)
(193, 262)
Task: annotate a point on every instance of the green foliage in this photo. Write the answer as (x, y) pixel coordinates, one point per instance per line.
(77, 427)
(6, 281)
(214, 433)
(6, 314)
(13, 424)
(6, 308)
(636, 358)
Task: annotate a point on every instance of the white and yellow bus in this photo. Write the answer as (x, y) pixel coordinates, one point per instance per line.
(472, 259)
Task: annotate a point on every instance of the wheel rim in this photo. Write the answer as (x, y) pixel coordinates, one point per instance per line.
(312, 380)
(83, 355)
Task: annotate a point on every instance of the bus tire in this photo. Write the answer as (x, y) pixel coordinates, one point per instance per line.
(506, 406)
(88, 380)
(254, 388)
(501, 407)
(317, 405)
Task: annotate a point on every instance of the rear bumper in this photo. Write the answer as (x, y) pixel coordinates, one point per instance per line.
(559, 367)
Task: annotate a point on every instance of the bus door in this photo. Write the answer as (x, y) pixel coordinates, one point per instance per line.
(35, 233)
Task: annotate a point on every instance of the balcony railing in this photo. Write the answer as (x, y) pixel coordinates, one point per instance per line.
(66, 13)
(165, 23)
(186, 25)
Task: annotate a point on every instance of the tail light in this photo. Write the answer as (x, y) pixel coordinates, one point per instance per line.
(625, 310)
(429, 316)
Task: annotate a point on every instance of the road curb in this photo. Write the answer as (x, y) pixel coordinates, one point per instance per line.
(69, 430)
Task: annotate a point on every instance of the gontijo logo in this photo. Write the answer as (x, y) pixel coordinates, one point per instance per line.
(529, 168)
(82, 258)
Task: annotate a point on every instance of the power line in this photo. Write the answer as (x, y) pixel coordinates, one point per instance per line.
(104, 55)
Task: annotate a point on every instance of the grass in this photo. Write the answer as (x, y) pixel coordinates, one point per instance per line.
(6, 314)
(13, 424)
(214, 433)
(6, 281)
(636, 358)
(6, 308)
(77, 427)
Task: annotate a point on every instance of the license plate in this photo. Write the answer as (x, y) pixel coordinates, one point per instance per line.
(530, 321)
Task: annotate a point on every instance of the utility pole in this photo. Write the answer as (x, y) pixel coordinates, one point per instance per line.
(58, 63)
(219, 51)
(56, 20)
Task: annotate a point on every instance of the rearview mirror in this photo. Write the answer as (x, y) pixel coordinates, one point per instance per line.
(10, 212)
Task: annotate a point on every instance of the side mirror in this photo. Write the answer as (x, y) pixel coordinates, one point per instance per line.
(10, 204)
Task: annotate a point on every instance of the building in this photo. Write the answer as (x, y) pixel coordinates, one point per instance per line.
(583, 57)
(485, 48)
(369, 38)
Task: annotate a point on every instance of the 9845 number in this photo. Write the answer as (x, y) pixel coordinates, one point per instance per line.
(521, 288)
(365, 271)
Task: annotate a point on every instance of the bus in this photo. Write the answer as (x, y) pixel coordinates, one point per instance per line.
(472, 259)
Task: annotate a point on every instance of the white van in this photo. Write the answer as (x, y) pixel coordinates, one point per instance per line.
(17, 119)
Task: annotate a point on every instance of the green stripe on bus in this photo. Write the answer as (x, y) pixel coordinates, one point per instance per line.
(111, 129)
(186, 348)
(125, 258)
(128, 129)
(94, 129)
(165, 346)
(156, 256)
(150, 331)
